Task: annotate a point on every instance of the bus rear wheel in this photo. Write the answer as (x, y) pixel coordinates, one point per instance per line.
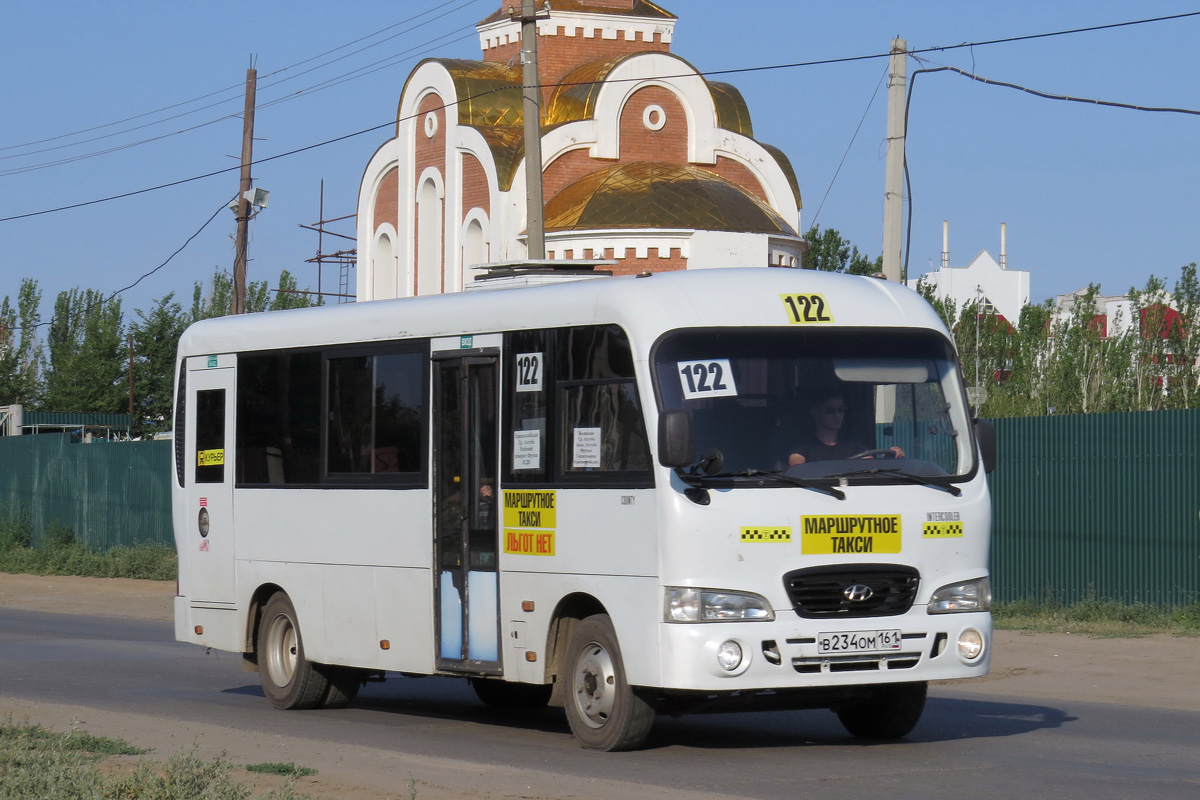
(344, 683)
(604, 711)
(891, 712)
(289, 680)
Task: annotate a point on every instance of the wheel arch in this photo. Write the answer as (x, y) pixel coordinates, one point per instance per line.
(570, 610)
(254, 618)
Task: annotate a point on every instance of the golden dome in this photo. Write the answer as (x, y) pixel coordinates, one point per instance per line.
(647, 194)
(574, 98)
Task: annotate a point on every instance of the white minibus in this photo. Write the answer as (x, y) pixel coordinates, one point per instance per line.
(681, 491)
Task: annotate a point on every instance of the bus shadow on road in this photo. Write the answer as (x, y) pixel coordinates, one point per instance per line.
(945, 718)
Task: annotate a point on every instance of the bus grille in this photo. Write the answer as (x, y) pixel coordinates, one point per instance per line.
(826, 592)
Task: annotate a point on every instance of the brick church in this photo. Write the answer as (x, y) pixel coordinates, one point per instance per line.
(644, 161)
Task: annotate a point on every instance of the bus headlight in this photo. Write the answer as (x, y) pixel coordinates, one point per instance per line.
(685, 604)
(957, 598)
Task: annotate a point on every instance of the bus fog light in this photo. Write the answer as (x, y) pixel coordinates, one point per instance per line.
(729, 655)
(970, 644)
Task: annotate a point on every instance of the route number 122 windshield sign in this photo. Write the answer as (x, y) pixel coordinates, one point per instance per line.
(706, 378)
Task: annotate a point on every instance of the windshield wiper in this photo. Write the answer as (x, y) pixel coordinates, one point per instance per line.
(777, 477)
(895, 472)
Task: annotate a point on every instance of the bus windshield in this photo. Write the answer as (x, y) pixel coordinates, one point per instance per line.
(861, 404)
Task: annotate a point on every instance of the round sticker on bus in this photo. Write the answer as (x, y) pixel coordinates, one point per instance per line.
(706, 378)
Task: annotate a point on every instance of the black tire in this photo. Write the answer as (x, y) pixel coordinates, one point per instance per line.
(504, 694)
(289, 680)
(604, 711)
(891, 712)
(344, 683)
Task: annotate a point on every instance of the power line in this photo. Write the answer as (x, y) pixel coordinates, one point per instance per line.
(256, 162)
(837, 171)
(236, 87)
(168, 260)
(412, 52)
(1065, 97)
(706, 73)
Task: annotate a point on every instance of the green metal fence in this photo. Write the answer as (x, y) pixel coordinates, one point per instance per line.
(1098, 504)
(108, 493)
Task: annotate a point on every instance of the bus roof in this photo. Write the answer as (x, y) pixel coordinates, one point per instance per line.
(645, 306)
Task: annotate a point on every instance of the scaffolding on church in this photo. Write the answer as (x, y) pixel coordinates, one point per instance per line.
(343, 260)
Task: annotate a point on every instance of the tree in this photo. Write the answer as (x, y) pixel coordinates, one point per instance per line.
(1183, 342)
(289, 296)
(20, 350)
(155, 340)
(219, 301)
(829, 252)
(87, 355)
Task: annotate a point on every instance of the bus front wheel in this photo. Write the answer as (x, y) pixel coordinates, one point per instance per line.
(289, 680)
(892, 711)
(604, 711)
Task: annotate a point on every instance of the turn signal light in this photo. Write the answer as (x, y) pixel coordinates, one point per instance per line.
(199, 630)
(530, 655)
(384, 644)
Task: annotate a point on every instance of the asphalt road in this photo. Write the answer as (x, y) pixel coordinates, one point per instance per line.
(967, 745)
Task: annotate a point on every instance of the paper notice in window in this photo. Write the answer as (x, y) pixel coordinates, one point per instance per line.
(586, 454)
(527, 449)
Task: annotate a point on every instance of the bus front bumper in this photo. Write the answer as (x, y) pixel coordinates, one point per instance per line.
(797, 653)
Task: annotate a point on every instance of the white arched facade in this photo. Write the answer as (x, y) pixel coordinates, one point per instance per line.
(385, 271)
(430, 197)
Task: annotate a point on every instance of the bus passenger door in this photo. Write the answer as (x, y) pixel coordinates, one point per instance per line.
(208, 475)
(465, 512)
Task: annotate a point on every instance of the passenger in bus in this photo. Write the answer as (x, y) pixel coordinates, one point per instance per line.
(825, 442)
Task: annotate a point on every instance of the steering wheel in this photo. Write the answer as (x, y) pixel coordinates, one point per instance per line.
(876, 454)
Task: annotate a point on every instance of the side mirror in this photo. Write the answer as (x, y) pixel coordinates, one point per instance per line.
(985, 434)
(676, 443)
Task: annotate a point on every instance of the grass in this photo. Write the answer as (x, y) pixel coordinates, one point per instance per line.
(1097, 617)
(288, 770)
(39, 763)
(56, 551)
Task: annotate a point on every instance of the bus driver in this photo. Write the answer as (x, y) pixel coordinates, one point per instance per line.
(824, 443)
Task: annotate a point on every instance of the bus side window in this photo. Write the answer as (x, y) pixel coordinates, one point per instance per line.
(376, 414)
(602, 428)
(527, 393)
(279, 418)
(600, 424)
(210, 436)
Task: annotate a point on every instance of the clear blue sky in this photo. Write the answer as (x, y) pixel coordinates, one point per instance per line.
(1089, 194)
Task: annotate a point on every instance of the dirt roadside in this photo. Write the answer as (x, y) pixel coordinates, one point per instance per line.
(1157, 671)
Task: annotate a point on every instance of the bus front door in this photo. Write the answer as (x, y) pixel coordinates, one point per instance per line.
(465, 512)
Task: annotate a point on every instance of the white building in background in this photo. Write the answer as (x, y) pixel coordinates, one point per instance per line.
(983, 280)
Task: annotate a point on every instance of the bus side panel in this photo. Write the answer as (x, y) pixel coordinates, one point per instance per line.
(365, 558)
(633, 603)
(385, 527)
(603, 546)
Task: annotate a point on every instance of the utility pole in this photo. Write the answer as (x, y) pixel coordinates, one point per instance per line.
(535, 240)
(243, 204)
(893, 187)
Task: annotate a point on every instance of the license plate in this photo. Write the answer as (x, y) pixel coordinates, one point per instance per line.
(858, 642)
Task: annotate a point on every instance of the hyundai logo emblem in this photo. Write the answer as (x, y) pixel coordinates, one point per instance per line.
(858, 593)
